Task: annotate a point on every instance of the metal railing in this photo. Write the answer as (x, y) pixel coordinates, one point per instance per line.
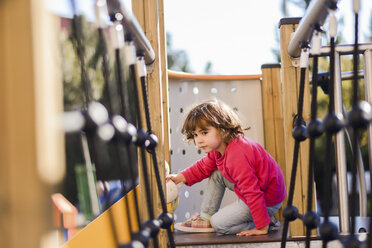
(315, 14)
(133, 27)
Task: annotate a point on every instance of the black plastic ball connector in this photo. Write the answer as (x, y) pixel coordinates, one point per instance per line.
(166, 220)
(360, 115)
(73, 122)
(362, 230)
(143, 236)
(328, 231)
(116, 16)
(120, 126)
(299, 129)
(128, 37)
(140, 138)
(130, 134)
(299, 133)
(332, 5)
(95, 115)
(290, 213)
(151, 141)
(333, 123)
(153, 226)
(311, 220)
(314, 128)
(133, 244)
(351, 242)
(106, 132)
(124, 131)
(140, 53)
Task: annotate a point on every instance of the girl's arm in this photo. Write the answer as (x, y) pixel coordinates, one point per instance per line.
(200, 170)
(179, 178)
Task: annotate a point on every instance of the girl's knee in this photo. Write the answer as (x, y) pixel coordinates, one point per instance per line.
(216, 175)
(218, 225)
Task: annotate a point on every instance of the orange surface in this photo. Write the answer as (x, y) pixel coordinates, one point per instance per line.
(201, 77)
(99, 233)
(63, 208)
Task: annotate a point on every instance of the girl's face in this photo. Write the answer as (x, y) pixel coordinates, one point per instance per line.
(209, 139)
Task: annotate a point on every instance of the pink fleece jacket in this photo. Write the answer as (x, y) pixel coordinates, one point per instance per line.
(257, 178)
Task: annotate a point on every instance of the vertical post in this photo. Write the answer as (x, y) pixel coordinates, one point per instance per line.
(368, 89)
(291, 79)
(31, 147)
(273, 116)
(164, 81)
(340, 151)
(149, 15)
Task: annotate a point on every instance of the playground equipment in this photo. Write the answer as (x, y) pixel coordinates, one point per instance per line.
(137, 219)
(333, 124)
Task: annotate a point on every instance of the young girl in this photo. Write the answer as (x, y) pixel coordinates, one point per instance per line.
(235, 162)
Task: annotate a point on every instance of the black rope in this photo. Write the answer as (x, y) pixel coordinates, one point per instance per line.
(123, 112)
(89, 129)
(111, 217)
(311, 220)
(327, 177)
(331, 90)
(142, 235)
(332, 124)
(290, 212)
(141, 136)
(293, 172)
(78, 37)
(118, 152)
(105, 68)
(166, 218)
(355, 63)
(120, 82)
(301, 93)
(356, 121)
(290, 197)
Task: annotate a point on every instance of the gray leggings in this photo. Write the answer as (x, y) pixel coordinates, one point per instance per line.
(233, 218)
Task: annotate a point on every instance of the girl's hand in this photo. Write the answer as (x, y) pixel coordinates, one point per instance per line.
(179, 178)
(261, 231)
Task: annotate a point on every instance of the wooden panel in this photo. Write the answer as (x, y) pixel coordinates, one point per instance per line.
(148, 15)
(279, 128)
(278, 118)
(199, 239)
(26, 117)
(291, 77)
(165, 85)
(268, 111)
(273, 118)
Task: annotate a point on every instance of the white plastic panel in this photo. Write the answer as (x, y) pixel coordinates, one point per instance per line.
(244, 96)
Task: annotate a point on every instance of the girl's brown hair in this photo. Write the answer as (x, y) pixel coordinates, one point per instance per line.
(213, 113)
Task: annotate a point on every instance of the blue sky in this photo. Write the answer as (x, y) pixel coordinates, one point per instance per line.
(237, 36)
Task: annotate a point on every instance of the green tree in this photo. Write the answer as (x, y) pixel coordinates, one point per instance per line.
(74, 99)
(177, 59)
(208, 68)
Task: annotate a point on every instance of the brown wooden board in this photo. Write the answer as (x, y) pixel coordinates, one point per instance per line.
(189, 239)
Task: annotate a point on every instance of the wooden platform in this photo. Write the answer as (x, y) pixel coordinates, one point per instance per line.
(183, 239)
(272, 239)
